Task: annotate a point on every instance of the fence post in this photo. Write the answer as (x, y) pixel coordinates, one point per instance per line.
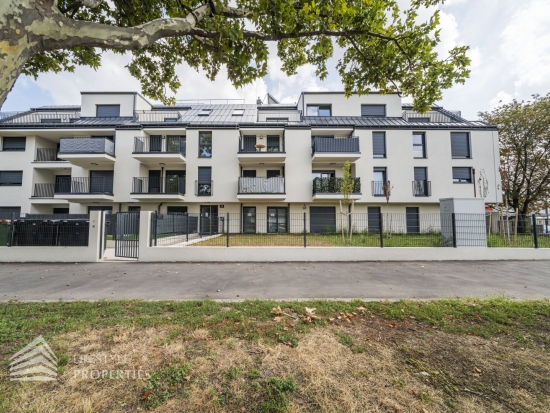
(187, 227)
(156, 227)
(10, 239)
(227, 219)
(381, 230)
(535, 235)
(453, 223)
(305, 231)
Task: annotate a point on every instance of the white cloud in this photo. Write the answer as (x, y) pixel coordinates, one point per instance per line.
(501, 98)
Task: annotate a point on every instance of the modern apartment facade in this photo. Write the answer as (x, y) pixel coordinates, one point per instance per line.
(116, 151)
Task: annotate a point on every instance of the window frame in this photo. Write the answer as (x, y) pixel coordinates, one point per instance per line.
(468, 142)
(101, 106)
(463, 182)
(385, 146)
(205, 112)
(12, 183)
(238, 112)
(319, 106)
(211, 145)
(375, 116)
(423, 145)
(23, 149)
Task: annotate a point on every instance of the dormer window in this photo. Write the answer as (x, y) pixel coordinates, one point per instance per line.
(238, 112)
(319, 110)
(419, 120)
(373, 111)
(107, 111)
(205, 112)
(170, 119)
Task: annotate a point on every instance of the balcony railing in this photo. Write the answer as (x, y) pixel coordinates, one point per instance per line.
(275, 185)
(333, 186)
(47, 155)
(335, 145)
(156, 116)
(87, 146)
(422, 188)
(162, 144)
(85, 185)
(204, 188)
(44, 190)
(262, 145)
(158, 185)
(44, 117)
(379, 188)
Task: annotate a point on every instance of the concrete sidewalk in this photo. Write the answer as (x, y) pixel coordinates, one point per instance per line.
(229, 281)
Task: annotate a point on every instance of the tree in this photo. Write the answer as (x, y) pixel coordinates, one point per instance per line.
(524, 136)
(385, 48)
(347, 185)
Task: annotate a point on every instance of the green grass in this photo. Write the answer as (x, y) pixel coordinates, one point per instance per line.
(19, 322)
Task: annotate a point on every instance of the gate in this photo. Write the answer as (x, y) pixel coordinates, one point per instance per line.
(127, 234)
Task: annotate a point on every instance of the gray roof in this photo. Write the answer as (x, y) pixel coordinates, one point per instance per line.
(220, 114)
(391, 123)
(71, 108)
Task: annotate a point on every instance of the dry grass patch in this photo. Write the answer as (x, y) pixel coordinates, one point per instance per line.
(359, 363)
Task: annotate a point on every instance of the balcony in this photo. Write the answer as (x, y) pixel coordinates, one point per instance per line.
(422, 188)
(261, 148)
(329, 149)
(17, 118)
(380, 188)
(87, 151)
(84, 189)
(261, 188)
(158, 188)
(331, 188)
(46, 158)
(204, 188)
(152, 150)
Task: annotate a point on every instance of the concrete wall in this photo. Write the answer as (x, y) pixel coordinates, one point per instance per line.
(91, 100)
(60, 254)
(343, 106)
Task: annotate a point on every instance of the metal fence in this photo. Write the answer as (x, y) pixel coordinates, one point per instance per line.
(51, 230)
(374, 229)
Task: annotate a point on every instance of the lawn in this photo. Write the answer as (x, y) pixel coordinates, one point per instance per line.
(364, 239)
(262, 356)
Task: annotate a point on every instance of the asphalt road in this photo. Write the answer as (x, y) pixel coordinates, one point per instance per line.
(230, 281)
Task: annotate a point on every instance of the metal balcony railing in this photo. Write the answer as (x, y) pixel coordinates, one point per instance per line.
(379, 188)
(85, 185)
(162, 144)
(333, 185)
(44, 117)
(158, 185)
(156, 116)
(335, 145)
(47, 155)
(262, 144)
(275, 185)
(43, 190)
(422, 188)
(87, 146)
(204, 188)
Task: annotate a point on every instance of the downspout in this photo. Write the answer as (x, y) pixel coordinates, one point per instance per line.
(160, 206)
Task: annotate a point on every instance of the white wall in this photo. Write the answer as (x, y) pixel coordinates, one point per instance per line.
(342, 106)
(91, 100)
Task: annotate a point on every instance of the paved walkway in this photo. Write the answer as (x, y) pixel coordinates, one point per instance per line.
(230, 281)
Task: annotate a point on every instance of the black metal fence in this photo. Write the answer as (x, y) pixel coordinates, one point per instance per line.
(47, 155)
(374, 229)
(158, 185)
(55, 230)
(84, 185)
(166, 144)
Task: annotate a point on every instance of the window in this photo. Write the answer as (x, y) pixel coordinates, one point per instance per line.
(462, 175)
(238, 112)
(379, 144)
(419, 145)
(419, 120)
(108, 111)
(205, 112)
(11, 178)
(421, 186)
(14, 144)
(170, 119)
(6, 212)
(318, 110)
(413, 220)
(205, 144)
(272, 143)
(134, 209)
(51, 120)
(373, 111)
(204, 183)
(379, 180)
(460, 145)
(323, 174)
(276, 119)
(249, 173)
(176, 210)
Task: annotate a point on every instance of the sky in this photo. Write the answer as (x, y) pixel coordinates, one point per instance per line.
(509, 44)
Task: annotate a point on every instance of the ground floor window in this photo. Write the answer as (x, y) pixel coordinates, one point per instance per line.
(413, 220)
(176, 210)
(277, 220)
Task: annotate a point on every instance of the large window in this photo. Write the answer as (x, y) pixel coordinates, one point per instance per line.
(379, 144)
(462, 175)
(13, 144)
(6, 212)
(460, 145)
(108, 111)
(204, 183)
(379, 180)
(205, 144)
(419, 145)
(11, 178)
(319, 110)
(373, 111)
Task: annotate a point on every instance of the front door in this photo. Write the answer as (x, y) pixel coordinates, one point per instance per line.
(373, 219)
(209, 219)
(413, 220)
(154, 182)
(277, 220)
(249, 220)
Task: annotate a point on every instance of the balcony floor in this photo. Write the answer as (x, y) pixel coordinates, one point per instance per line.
(85, 160)
(261, 197)
(85, 197)
(158, 197)
(337, 197)
(154, 158)
(336, 157)
(51, 164)
(261, 157)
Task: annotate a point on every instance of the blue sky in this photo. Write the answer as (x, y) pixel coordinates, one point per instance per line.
(510, 52)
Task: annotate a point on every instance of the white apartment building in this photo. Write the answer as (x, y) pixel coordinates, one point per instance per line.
(116, 151)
